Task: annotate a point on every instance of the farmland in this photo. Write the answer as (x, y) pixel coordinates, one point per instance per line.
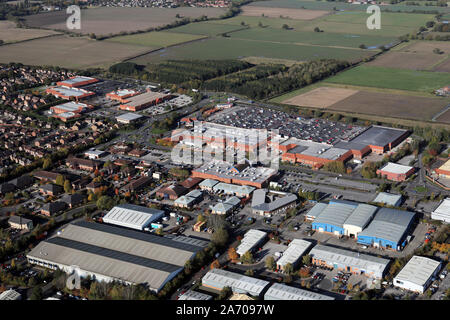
(330, 5)
(443, 66)
(300, 14)
(391, 78)
(309, 37)
(416, 56)
(207, 28)
(104, 21)
(445, 117)
(360, 101)
(9, 33)
(70, 52)
(394, 105)
(229, 48)
(322, 97)
(155, 39)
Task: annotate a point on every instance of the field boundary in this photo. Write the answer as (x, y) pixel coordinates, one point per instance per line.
(162, 48)
(440, 113)
(38, 38)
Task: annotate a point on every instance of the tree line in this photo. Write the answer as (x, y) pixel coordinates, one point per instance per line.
(287, 79)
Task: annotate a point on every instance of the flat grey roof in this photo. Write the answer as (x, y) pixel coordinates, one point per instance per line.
(144, 98)
(113, 254)
(104, 262)
(349, 258)
(335, 214)
(379, 136)
(388, 224)
(388, 198)
(316, 210)
(126, 239)
(361, 216)
(228, 171)
(129, 116)
(259, 201)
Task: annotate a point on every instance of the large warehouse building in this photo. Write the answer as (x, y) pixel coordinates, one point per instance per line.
(144, 100)
(359, 219)
(121, 95)
(279, 291)
(77, 81)
(333, 217)
(69, 93)
(388, 229)
(416, 275)
(349, 261)
(109, 253)
(311, 153)
(241, 174)
(132, 216)
(217, 279)
(375, 139)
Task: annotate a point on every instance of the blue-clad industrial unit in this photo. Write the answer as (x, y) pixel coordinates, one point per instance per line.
(388, 229)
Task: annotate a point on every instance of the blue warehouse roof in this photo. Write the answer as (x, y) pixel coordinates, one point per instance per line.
(389, 224)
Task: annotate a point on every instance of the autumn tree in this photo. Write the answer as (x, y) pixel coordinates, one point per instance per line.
(215, 264)
(232, 254)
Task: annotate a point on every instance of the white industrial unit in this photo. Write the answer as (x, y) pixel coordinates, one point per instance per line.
(132, 216)
(416, 275)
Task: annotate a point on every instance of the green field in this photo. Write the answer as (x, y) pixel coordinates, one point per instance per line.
(387, 18)
(361, 29)
(206, 28)
(229, 48)
(330, 5)
(392, 78)
(267, 22)
(314, 38)
(155, 39)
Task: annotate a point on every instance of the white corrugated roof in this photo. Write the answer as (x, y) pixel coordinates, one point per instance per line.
(132, 216)
(237, 282)
(418, 270)
(251, 238)
(279, 291)
(295, 250)
(396, 168)
(194, 295)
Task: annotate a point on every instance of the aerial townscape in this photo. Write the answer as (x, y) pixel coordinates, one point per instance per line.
(224, 150)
